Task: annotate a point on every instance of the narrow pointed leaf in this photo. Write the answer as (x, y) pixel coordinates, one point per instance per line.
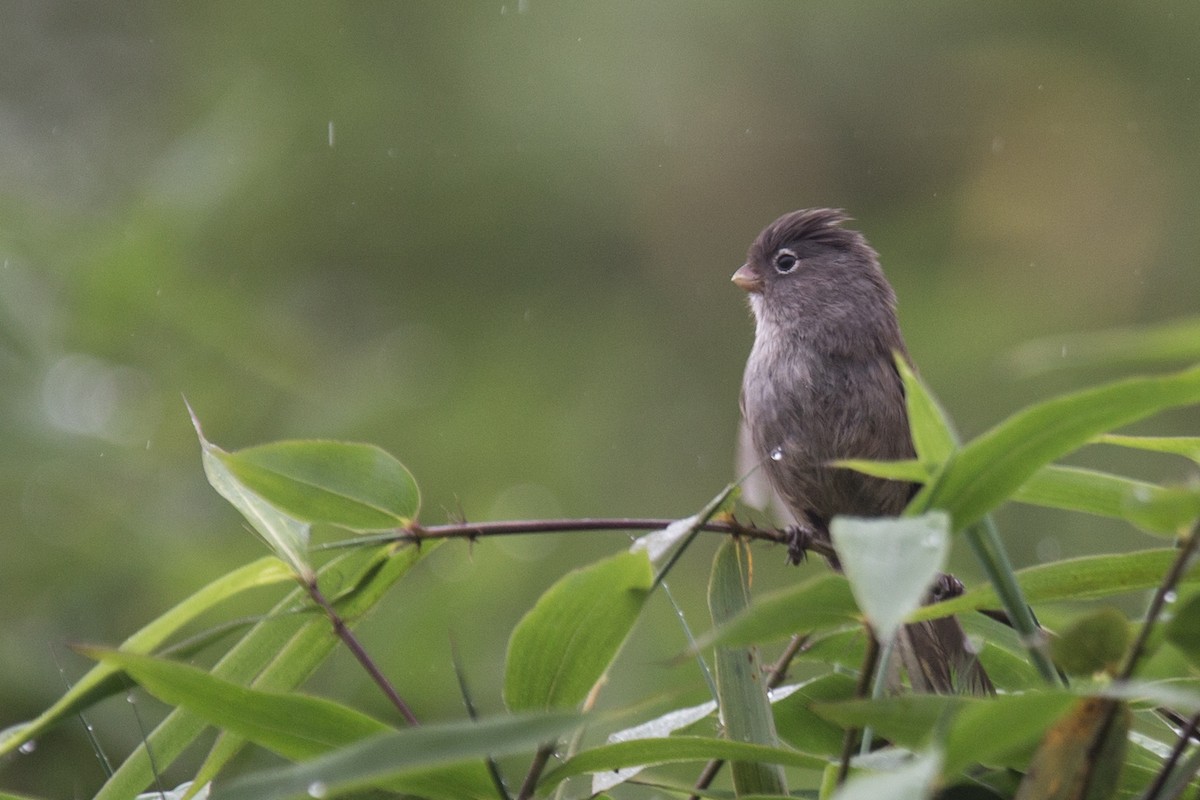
(98, 682)
(1003, 730)
(294, 726)
(661, 726)
(1084, 578)
(356, 486)
(277, 654)
(1175, 341)
(658, 543)
(741, 694)
(987, 470)
(1054, 486)
(1167, 509)
(380, 759)
(800, 727)
(674, 749)
(933, 436)
(819, 603)
(912, 471)
(284, 534)
(1186, 446)
(569, 638)
(1099, 493)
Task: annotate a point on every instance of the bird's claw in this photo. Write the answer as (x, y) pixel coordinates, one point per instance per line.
(945, 587)
(799, 540)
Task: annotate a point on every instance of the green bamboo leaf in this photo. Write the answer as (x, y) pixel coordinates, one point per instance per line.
(567, 641)
(1084, 578)
(819, 603)
(1186, 446)
(294, 726)
(98, 682)
(1053, 486)
(912, 471)
(675, 749)
(741, 695)
(998, 730)
(933, 436)
(1170, 509)
(1172, 342)
(381, 759)
(806, 731)
(7, 796)
(891, 563)
(356, 486)
(1003, 730)
(277, 654)
(1002, 653)
(907, 720)
(989, 469)
(284, 534)
(1100, 493)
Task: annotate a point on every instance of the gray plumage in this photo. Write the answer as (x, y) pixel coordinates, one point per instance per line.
(821, 385)
(821, 382)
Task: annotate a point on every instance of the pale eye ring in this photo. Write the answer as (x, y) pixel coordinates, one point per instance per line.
(785, 261)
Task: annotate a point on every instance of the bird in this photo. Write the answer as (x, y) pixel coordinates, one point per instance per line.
(821, 384)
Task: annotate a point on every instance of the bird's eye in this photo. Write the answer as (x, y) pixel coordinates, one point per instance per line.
(785, 261)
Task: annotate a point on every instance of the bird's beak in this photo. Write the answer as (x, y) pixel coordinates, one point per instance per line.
(748, 278)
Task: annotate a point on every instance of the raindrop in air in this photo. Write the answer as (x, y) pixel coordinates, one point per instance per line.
(28, 747)
(317, 789)
(777, 454)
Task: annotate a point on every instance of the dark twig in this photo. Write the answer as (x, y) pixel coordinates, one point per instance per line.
(536, 767)
(351, 641)
(1183, 560)
(850, 741)
(1167, 588)
(1160, 780)
(775, 676)
(475, 530)
(465, 690)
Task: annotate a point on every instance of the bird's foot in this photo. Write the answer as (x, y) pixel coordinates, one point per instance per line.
(945, 587)
(799, 539)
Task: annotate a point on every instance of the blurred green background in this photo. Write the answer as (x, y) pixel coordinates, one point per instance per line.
(495, 238)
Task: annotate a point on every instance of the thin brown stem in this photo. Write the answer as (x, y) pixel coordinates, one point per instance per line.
(476, 530)
(850, 741)
(1166, 589)
(536, 767)
(351, 641)
(468, 701)
(1160, 780)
